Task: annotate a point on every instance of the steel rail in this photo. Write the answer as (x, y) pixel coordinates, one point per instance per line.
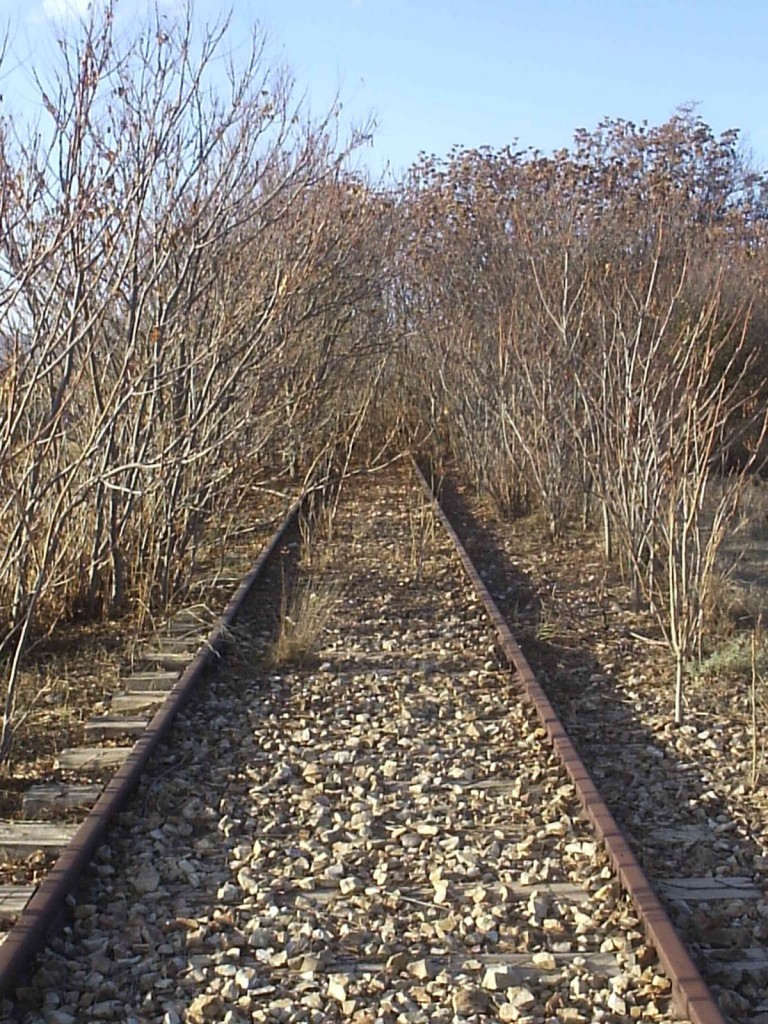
(691, 997)
(40, 915)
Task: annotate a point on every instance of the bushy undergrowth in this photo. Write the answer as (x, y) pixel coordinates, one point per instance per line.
(586, 337)
(732, 660)
(197, 288)
(190, 299)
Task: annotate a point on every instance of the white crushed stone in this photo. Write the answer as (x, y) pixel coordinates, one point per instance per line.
(348, 841)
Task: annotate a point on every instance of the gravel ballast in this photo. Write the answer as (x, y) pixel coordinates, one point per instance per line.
(380, 834)
(682, 795)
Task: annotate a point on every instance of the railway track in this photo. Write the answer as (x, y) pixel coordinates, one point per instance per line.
(386, 832)
(681, 795)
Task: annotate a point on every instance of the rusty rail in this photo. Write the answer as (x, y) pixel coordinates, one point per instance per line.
(40, 915)
(691, 997)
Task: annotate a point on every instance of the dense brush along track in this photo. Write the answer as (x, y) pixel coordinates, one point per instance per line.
(381, 833)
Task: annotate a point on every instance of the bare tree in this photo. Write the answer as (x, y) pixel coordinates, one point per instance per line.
(587, 326)
(188, 275)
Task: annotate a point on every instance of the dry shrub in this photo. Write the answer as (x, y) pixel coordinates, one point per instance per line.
(584, 335)
(192, 298)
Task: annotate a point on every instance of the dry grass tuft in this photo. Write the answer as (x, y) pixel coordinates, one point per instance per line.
(304, 617)
(421, 529)
(415, 548)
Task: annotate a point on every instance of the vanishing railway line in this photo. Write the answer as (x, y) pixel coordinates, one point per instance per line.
(389, 831)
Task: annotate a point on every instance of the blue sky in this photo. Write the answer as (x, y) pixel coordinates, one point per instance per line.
(488, 72)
